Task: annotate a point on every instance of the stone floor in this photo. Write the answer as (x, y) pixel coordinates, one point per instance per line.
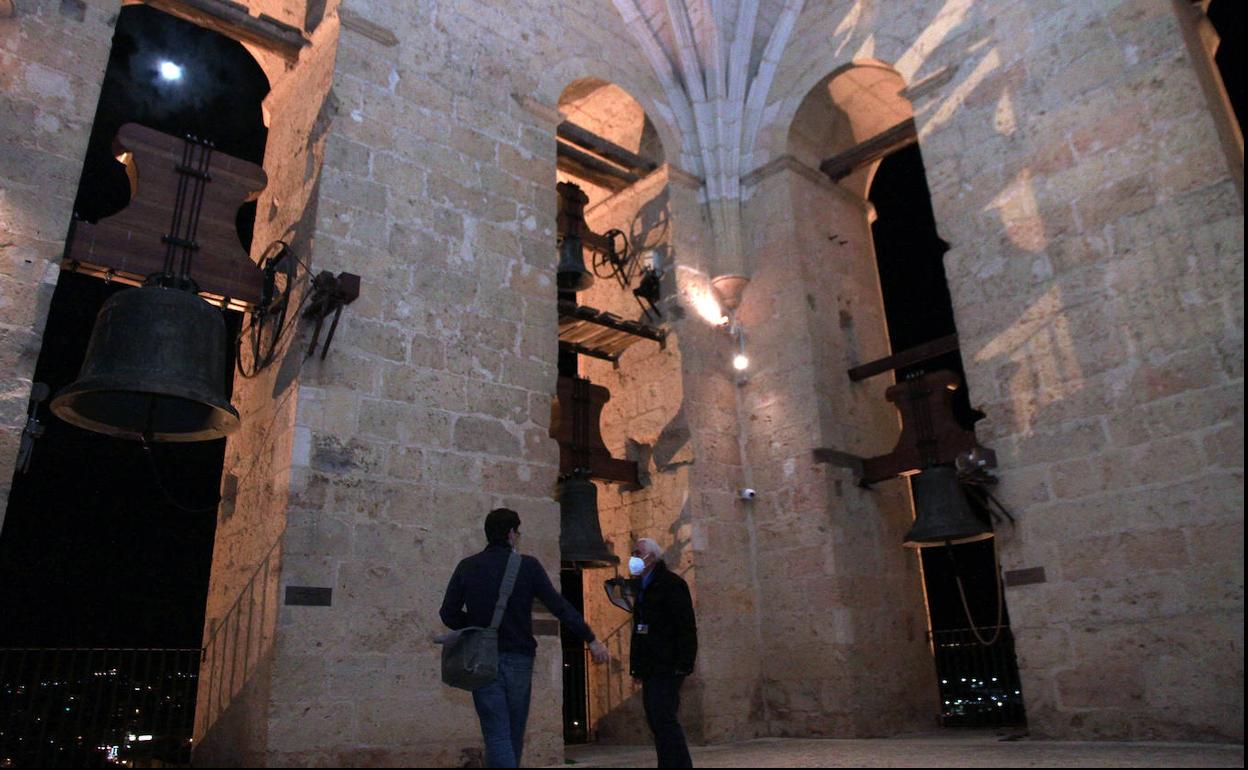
(938, 750)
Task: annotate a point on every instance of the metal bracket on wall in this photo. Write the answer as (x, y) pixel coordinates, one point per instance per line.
(839, 459)
(330, 294)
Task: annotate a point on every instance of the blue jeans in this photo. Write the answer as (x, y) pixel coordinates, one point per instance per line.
(503, 708)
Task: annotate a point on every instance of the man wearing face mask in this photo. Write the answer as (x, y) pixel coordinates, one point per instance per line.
(664, 646)
(503, 704)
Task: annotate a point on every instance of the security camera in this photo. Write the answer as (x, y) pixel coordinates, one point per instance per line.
(746, 493)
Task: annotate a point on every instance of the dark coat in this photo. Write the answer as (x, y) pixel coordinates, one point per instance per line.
(473, 592)
(665, 635)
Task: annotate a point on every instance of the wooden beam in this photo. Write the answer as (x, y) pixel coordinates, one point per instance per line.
(914, 355)
(604, 147)
(232, 20)
(592, 168)
(885, 143)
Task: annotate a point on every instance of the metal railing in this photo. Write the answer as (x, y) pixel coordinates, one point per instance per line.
(979, 684)
(239, 640)
(97, 707)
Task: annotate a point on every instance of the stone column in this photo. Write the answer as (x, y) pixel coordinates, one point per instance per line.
(842, 640)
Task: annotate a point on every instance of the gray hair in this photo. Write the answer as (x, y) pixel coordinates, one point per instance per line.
(648, 546)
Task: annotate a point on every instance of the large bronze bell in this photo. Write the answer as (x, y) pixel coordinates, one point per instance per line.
(572, 275)
(155, 369)
(580, 534)
(942, 512)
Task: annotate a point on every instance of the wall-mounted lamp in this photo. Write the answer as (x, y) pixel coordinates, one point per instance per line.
(740, 361)
(729, 289)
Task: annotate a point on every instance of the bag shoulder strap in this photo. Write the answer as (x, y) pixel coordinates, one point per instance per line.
(504, 590)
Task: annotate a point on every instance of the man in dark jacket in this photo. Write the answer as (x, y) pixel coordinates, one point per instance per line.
(503, 705)
(664, 646)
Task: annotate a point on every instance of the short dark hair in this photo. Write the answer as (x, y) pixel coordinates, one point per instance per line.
(499, 523)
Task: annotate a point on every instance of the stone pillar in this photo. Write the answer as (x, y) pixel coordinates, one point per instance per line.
(259, 531)
(843, 647)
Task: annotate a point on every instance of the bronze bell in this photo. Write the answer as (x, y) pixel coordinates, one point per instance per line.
(155, 368)
(580, 534)
(942, 512)
(572, 275)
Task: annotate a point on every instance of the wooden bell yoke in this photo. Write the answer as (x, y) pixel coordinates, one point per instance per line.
(130, 244)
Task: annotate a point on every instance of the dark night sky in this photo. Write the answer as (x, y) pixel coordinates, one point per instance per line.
(93, 551)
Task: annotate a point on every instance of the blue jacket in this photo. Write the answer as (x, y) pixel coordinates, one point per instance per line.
(473, 592)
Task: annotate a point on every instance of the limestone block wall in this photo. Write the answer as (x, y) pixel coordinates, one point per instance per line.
(1096, 271)
(845, 618)
(48, 95)
(258, 523)
(722, 702)
(674, 411)
(433, 404)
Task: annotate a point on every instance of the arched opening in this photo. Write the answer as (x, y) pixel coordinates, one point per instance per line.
(106, 545)
(614, 195)
(857, 127)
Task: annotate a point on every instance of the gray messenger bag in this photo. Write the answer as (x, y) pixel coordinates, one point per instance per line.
(470, 655)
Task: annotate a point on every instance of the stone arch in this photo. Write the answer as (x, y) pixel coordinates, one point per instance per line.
(565, 74)
(611, 112)
(849, 106)
(860, 34)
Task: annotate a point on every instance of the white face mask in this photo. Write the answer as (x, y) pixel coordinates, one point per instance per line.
(636, 566)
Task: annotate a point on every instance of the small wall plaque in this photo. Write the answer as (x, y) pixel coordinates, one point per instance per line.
(1022, 577)
(309, 596)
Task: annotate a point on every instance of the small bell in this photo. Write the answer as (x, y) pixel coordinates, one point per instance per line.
(942, 512)
(572, 275)
(580, 534)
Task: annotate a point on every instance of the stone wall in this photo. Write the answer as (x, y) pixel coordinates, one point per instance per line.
(643, 422)
(259, 526)
(1097, 281)
(845, 622)
(1097, 278)
(48, 94)
(433, 405)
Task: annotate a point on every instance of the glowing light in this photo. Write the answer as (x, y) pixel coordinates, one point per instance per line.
(740, 362)
(170, 71)
(705, 305)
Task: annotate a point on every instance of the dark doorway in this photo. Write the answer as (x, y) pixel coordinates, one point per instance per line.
(978, 682)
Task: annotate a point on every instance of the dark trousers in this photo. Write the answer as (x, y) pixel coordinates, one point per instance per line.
(661, 697)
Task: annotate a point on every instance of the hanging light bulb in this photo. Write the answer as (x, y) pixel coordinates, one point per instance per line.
(740, 361)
